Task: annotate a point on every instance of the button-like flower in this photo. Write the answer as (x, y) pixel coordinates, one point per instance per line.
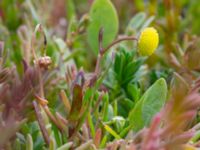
(148, 41)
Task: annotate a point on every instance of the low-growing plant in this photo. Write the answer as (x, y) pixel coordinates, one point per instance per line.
(76, 80)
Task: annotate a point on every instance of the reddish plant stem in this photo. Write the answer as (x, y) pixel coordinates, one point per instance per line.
(102, 51)
(41, 122)
(98, 64)
(126, 38)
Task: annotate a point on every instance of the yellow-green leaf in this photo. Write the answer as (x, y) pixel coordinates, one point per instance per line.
(149, 104)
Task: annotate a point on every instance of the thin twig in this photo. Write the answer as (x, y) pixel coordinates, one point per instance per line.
(98, 64)
(126, 38)
(102, 50)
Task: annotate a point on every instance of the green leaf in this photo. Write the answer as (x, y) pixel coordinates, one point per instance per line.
(91, 125)
(137, 21)
(102, 15)
(85, 145)
(148, 22)
(52, 145)
(111, 131)
(17, 144)
(65, 146)
(124, 106)
(29, 142)
(70, 9)
(76, 103)
(57, 136)
(133, 91)
(139, 4)
(149, 104)
(39, 143)
(105, 100)
(125, 67)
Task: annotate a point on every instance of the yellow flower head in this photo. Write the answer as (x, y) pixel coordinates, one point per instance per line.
(148, 41)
